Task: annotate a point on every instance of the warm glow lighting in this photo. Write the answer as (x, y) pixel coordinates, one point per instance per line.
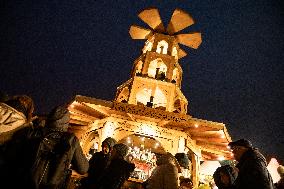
(147, 130)
(220, 158)
(143, 138)
(109, 129)
(96, 145)
(195, 125)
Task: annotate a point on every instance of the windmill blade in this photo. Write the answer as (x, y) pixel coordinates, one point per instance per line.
(179, 21)
(181, 53)
(152, 17)
(137, 32)
(192, 40)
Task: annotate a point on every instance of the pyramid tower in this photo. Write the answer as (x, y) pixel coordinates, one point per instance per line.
(156, 75)
(149, 110)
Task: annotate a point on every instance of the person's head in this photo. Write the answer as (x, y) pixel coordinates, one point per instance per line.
(239, 147)
(119, 151)
(107, 145)
(280, 171)
(129, 158)
(22, 103)
(59, 117)
(186, 183)
(225, 176)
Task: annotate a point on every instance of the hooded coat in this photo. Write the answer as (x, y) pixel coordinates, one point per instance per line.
(253, 173)
(116, 174)
(10, 121)
(165, 175)
(98, 163)
(230, 172)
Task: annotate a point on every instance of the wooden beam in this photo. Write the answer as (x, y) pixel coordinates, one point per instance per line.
(201, 128)
(213, 146)
(210, 139)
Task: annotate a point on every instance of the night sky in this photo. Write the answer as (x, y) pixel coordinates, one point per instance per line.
(54, 50)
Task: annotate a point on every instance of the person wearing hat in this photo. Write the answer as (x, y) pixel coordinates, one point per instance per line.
(118, 171)
(225, 176)
(98, 164)
(252, 171)
(280, 183)
(15, 113)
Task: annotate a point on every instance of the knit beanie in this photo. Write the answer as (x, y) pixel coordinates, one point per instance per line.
(121, 149)
(110, 142)
(58, 117)
(241, 142)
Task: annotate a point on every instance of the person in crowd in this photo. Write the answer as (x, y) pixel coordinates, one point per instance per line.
(186, 183)
(15, 113)
(129, 158)
(280, 183)
(165, 175)
(118, 171)
(252, 171)
(225, 177)
(98, 163)
(21, 161)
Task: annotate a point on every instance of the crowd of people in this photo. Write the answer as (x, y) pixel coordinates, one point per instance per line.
(41, 154)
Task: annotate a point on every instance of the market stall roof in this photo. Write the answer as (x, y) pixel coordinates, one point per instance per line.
(211, 137)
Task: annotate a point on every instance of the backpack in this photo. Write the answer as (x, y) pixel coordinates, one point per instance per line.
(53, 156)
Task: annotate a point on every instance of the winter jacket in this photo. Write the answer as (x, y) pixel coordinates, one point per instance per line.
(10, 121)
(115, 174)
(165, 175)
(253, 173)
(98, 164)
(22, 148)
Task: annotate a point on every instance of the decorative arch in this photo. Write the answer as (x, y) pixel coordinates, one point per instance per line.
(175, 53)
(162, 47)
(177, 106)
(157, 68)
(159, 98)
(176, 75)
(91, 139)
(148, 46)
(143, 96)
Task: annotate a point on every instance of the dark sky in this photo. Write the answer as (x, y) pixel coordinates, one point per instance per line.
(55, 49)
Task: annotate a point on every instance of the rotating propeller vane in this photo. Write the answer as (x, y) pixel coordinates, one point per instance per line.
(179, 21)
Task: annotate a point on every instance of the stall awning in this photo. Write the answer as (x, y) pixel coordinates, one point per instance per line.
(211, 137)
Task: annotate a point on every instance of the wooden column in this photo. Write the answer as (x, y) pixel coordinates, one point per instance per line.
(195, 169)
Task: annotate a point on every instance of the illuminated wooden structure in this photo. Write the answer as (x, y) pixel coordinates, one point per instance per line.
(151, 102)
